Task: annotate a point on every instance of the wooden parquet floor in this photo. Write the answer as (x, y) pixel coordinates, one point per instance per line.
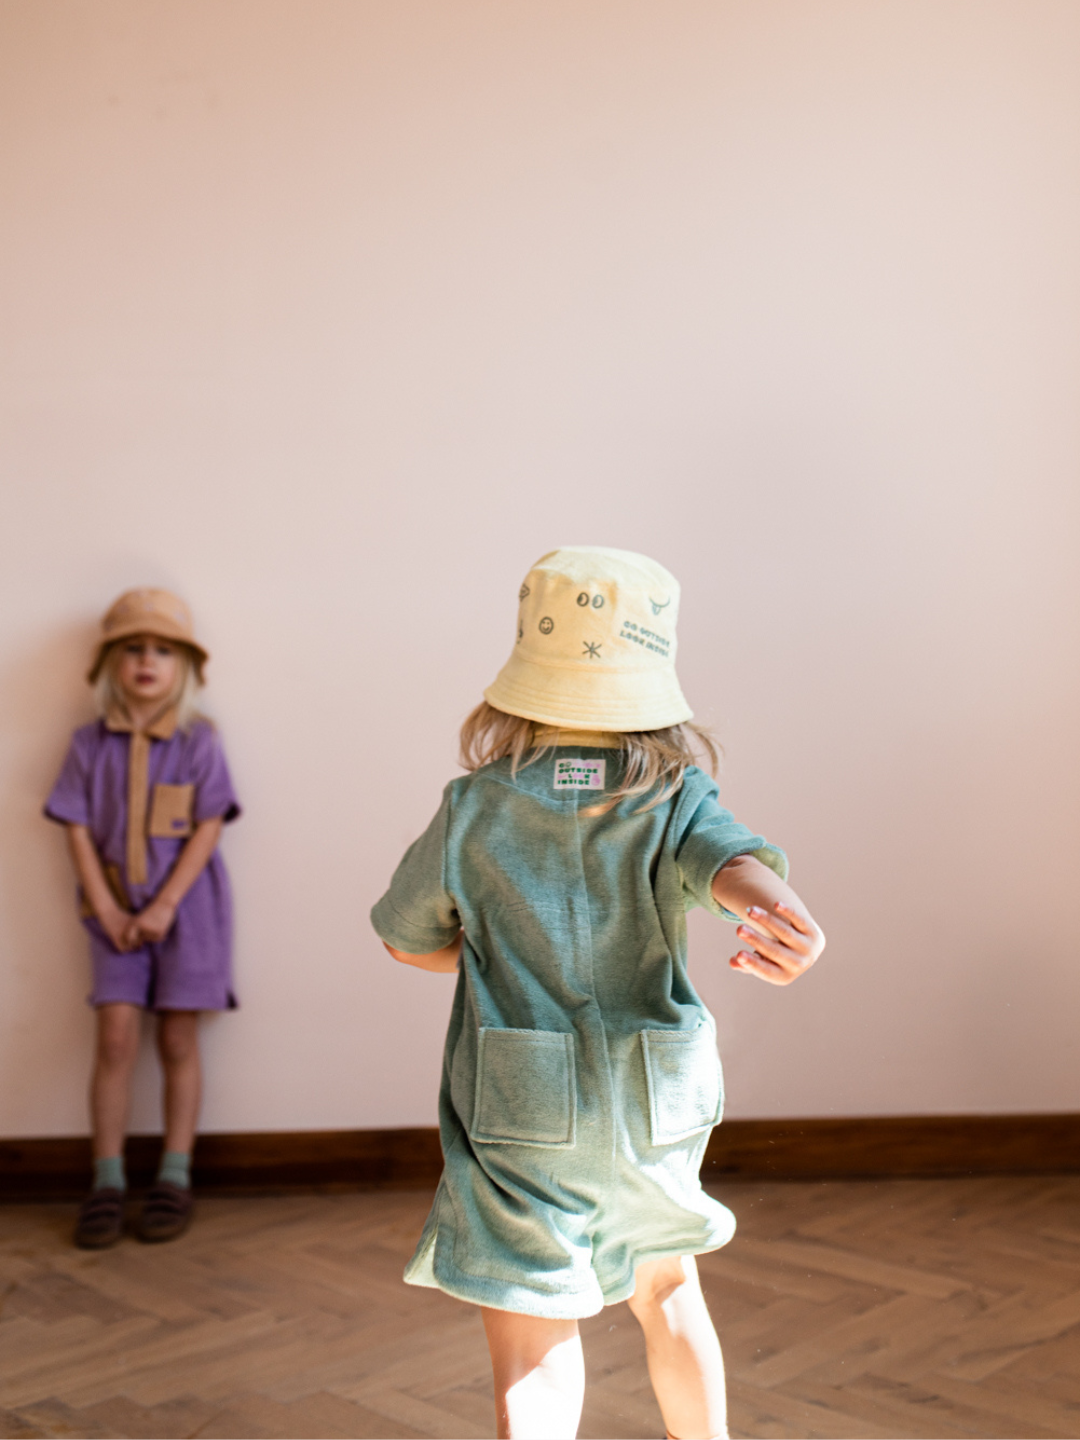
(858, 1309)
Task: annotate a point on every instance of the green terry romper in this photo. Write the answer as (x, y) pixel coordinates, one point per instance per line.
(580, 1077)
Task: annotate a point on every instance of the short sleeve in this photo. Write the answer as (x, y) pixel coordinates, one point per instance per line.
(214, 794)
(69, 800)
(710, 837)
(417, 914)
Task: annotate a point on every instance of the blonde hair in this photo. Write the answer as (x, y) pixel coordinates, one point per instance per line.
(652, 758)
(183, 697)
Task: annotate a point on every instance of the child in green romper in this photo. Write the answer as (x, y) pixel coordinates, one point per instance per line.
(581, 1078)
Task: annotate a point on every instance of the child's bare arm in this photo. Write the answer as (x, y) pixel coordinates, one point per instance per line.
(155, 922)
(442, 961)
(113, 920)
(781, 937)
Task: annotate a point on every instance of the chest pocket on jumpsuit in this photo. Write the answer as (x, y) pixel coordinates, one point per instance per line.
(171, 811)
(686, 1088)
(525, 1088)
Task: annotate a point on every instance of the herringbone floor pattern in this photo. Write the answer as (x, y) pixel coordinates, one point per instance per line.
(858, 1309)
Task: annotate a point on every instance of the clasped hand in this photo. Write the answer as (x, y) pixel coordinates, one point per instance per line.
(128, 932)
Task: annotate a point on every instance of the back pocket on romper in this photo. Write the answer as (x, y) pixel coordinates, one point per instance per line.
(686, 1088)
(525, 1091)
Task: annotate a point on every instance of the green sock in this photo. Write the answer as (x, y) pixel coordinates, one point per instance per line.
(176, 1169)
(109, 1173)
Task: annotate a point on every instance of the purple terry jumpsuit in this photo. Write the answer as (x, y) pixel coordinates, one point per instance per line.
(141, 796)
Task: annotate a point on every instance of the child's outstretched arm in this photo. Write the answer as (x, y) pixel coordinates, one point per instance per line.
(442, 961)
(155, 922)
(782, 939)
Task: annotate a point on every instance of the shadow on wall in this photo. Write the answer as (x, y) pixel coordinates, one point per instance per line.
(44, 980)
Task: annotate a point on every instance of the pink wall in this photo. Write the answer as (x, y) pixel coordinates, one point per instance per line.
(335, 314)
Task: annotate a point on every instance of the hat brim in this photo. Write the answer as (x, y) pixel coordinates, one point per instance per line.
(160, 627)
(617, 700)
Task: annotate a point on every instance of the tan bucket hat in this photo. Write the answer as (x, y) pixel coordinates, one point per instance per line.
(595, 644)
(148, 612)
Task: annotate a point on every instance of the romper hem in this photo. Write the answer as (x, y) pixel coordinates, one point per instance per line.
(520, 1299)
(433, 1271)
(497, 1294)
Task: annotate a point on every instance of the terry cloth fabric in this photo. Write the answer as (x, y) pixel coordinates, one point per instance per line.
(595, 646)
(148, 612)
(141, 797)
(580, 1076)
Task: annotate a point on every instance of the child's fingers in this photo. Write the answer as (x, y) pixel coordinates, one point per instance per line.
(764, 969)
(772, 929)
(770, 923)
(796, 918)
(781, 920)
(805, 939)
(765, 947)
(792, 951)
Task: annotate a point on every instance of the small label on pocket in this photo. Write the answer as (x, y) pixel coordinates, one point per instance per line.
(579, 774)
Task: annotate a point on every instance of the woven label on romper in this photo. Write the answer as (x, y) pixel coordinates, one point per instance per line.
(579, 774)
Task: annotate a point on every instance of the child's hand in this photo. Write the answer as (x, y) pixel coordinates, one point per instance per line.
(155, 922)
(780, 946)
(117, 926)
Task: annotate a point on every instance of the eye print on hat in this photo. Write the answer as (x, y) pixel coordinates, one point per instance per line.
(547, 625)
(523, 592)
(597, 600)
(657, 606)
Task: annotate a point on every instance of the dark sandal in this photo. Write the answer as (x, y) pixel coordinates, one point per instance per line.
(101, 1219)
(166, 1212)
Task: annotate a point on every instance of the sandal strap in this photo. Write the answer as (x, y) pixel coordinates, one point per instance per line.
(101, 1203)
(167, 1201)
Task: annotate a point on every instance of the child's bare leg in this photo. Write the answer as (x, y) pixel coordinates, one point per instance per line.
(685, 1364)
(178, 1046)
(539, 1375)
(110, 1083)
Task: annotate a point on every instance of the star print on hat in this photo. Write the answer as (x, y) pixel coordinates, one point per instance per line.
(596, 644)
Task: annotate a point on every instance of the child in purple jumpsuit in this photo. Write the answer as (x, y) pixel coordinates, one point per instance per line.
(144, 792)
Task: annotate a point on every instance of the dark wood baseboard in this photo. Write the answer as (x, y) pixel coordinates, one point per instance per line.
(260, 1160)
(818, 1149)
(894, 1146)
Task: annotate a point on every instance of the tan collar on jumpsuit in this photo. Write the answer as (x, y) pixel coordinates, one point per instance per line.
(138, 796)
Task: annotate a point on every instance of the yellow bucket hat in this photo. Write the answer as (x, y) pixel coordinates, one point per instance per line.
(595, 644)
(148, 612)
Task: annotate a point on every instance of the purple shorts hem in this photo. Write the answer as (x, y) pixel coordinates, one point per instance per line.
(159, 1003)
(166, 976)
